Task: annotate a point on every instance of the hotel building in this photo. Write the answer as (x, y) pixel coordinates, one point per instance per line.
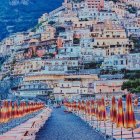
(95, 4)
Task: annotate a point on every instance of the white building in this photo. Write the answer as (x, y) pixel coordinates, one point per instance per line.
(128, 61)
(133, 61)
(70, 89)
(71, 51)
(100, 16)
(133, 29)
(60, 66)
(115, 61)
(33, 90)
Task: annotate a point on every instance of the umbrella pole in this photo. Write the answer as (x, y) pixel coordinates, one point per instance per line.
(100, 125)
(121, 133)
(112, 131)
(97, 123)
(105, 128)
(93, 120)
(132, 134)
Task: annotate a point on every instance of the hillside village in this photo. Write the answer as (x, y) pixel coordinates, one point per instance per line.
(83, 48)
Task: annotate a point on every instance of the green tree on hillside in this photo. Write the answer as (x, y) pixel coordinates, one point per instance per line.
(132, 86)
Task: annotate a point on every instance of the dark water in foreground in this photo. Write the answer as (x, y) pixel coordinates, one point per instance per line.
(64, 126)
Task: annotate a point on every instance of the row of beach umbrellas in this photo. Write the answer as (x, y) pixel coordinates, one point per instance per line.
(122, 117)
(10, 110)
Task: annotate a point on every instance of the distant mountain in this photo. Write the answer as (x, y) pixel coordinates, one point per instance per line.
(20, 15)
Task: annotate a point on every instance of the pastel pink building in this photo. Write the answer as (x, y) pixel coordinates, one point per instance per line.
(59, 42)
(107, 87)
(95, 4)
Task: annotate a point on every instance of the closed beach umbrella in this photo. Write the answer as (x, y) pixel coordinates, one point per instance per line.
(5, 111)
(113, 111)
(87, 107)
(10, 109)
(83, 106)
(24, 108)
(21, 108)
(130, 121)
(103, 109)
(79, 106)
(97, 110)
(92, 108)
(15, 110)
(120, 116)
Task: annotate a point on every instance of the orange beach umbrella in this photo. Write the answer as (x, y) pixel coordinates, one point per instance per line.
(88, 108)
(83, 106)
(103, 110)
(113, 111)
(98, 110)
(120, 116)
(130, 121)
(92, 108)
(5, 111)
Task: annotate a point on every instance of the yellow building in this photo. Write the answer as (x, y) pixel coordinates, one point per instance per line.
(47, 32)
(111, 37)
(26, 66)
(83, 24)
(118, 7)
